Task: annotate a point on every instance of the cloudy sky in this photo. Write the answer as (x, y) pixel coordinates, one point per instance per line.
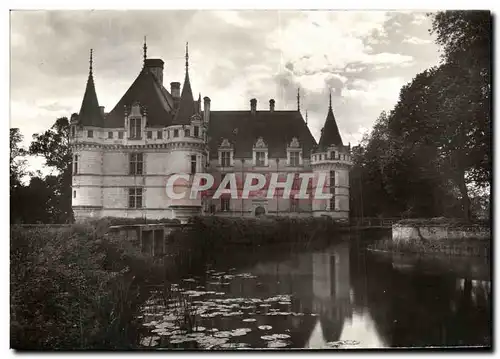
(363, 57)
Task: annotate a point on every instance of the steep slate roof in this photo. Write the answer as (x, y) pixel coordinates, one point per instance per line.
(330, 134)
(187, 106)
(149, 93)
(90, 114)
(242, 129)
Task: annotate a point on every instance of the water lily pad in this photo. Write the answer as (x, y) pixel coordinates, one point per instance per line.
(200, 329)
(267, 337)
(277, 344)
(224, 334)
(189, 280)
(265, 305)
(149, 341)
(281, 336)
(239, 332)
(265, 327)
(250, 320)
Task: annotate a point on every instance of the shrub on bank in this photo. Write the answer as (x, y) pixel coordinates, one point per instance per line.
(75, 288)
(260, 231)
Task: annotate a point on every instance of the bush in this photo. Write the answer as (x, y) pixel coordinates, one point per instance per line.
(219, 231)
(75, 288)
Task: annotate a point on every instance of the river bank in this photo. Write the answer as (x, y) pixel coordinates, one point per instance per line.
(92, 283)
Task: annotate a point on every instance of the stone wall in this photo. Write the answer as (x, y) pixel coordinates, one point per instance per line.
(408, 232)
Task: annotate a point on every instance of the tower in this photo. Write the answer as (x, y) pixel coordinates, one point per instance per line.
(85, 133)
(333, 160)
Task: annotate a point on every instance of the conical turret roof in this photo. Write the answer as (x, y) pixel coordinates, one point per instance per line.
(187, 107)
(90, 114)
(330, 134)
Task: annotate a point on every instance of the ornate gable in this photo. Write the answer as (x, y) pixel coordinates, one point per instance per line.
(260, 143)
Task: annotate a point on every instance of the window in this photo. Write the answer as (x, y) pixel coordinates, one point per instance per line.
(73, 131)
(224, 204)
(332, 190)
(196, 131)
(176, 133)
(75, 165)
(120, 135)
(294, 205)
(149, 134)
(159, 135)
(168, 133)
(135, 197)
(110, 134)
(260, 158)
(294, 158)
(193, 164)
(187, 133)
(222, 176)
(74, 194)
(136, 163)
(135, 128)
(90, 134)
(225, 158)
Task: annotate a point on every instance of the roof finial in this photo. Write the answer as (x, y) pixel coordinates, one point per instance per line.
(330, 107)
(298, 99)
(90, 62)
(145, 49)
(187, 56)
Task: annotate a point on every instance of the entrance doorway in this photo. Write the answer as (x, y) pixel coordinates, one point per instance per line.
(259, 211)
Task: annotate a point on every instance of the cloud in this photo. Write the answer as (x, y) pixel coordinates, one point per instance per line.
(417, 41)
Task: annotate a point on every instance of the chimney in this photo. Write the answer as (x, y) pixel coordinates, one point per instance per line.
(175, 89)
(271, 105)
(156, 68)
(206, 109)
(101, 110)
(253, 105)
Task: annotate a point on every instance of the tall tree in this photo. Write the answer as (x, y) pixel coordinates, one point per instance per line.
(463, 92)
(53, 145)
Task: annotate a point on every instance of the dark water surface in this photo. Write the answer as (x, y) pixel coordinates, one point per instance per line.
(324, 297)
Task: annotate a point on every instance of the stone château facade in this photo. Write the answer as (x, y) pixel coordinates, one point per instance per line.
(121, 159)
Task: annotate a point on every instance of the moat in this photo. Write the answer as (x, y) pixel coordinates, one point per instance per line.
(325, 297)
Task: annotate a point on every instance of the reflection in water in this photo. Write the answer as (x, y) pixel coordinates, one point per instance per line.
(337, 296)
(361, 327)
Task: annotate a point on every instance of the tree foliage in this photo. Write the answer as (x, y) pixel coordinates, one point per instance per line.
(423, 157)
(45, 199)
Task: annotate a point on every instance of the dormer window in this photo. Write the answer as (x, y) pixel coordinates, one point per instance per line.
(90, 134)
(187, 132)
(260, 158)
(196, 132)
(294, 158)
(260, 154)
(135, 128)
(110, 134)
(159, 135)
(226, 153)
(225, 158)
(176, 133)
(149, 135)
(294, 153)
